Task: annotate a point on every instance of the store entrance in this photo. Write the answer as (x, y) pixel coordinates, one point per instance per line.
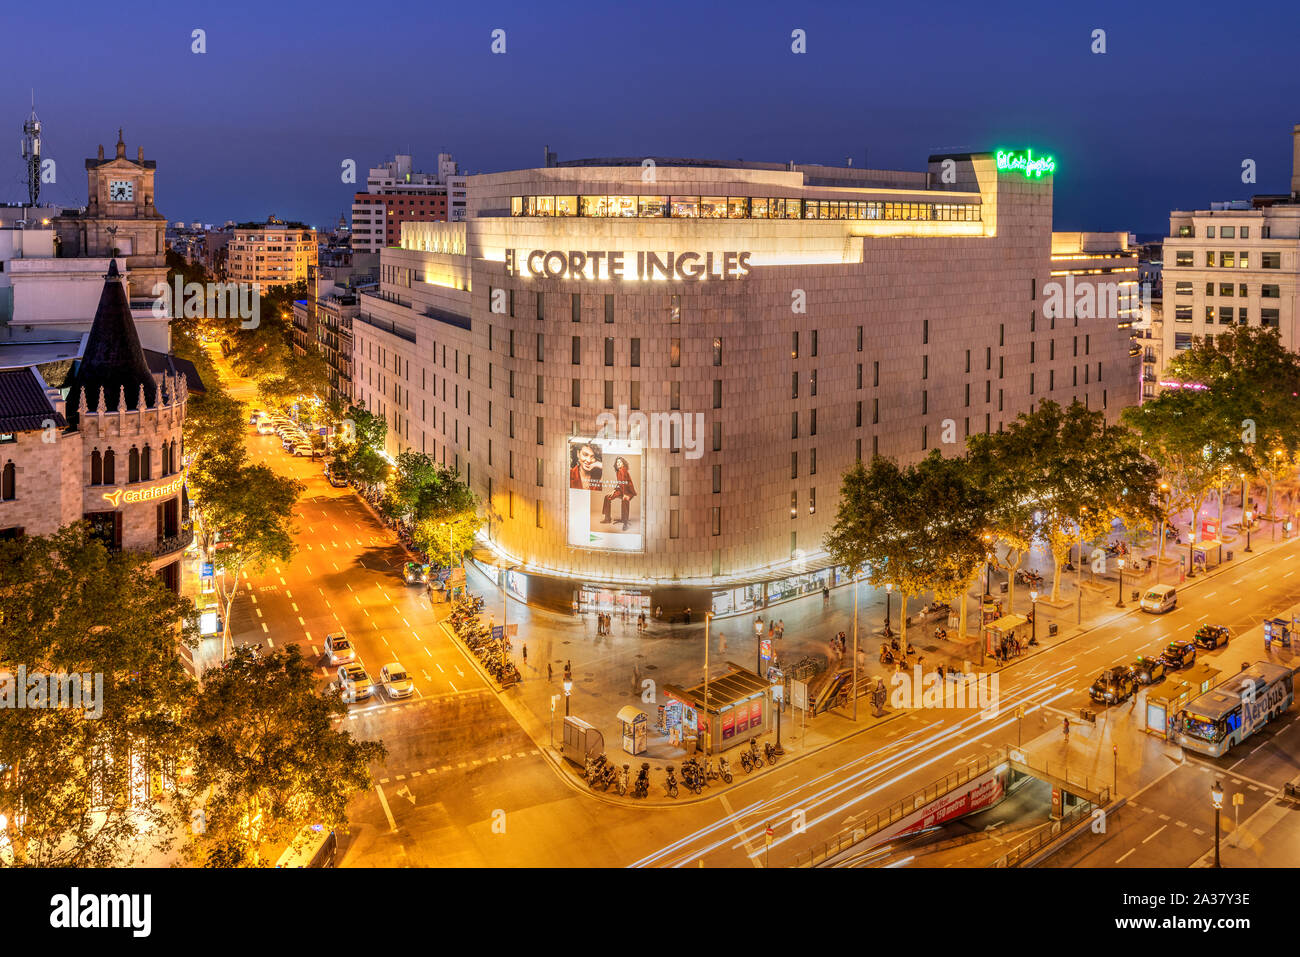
(595, 598)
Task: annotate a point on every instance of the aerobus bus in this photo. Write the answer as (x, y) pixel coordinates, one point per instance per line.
(1234, 710)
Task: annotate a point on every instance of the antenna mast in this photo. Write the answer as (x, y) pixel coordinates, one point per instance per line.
(31, 152)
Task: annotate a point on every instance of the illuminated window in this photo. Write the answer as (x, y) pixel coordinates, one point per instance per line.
(686, 207)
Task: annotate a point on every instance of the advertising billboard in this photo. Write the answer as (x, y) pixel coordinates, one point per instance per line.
(605, 503)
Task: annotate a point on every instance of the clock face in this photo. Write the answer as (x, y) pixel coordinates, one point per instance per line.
(121, 190)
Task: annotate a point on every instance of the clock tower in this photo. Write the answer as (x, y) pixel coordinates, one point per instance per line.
(120, 221)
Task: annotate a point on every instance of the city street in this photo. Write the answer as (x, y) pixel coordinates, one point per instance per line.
(469, 781)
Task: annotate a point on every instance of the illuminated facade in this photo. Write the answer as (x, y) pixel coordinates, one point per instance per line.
(273, 253)
(656, 372)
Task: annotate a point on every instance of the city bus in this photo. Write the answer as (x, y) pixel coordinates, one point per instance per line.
(1236, 709)
(315, 846)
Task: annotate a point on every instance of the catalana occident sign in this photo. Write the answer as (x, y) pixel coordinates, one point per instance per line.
(1026, 163)
(131, 496)
(607, 264)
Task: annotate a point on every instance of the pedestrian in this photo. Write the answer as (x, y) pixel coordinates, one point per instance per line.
(771, 628)
(525, 653)
(659, 612)
(826, 593)
(1067, 729)
(550, 675)
(722, 642)
(568, 671)
(780, 628)
(688, 614)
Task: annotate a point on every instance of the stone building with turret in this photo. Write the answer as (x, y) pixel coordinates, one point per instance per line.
(103, 446)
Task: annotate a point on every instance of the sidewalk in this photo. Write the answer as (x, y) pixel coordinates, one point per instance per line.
(608, 670)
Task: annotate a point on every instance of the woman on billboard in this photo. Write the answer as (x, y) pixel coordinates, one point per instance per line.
(623, 491)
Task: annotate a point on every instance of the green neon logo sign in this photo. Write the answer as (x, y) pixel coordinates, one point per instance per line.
(1024, 162)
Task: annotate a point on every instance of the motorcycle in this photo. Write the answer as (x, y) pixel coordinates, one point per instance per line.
(671, 784)
(692, 776)
(769, 751)
(755, 756)
(724, 770)
(642, 786)
(608, 775)
(623, 780)
(941, 633)
(746, 762)
(886, 656)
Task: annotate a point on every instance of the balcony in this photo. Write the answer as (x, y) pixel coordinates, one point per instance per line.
(174, 543)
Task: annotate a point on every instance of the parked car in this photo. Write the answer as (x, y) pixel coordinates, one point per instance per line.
(396, 681)
(337, 481)
(302, 450)
(264, 427)
(1147, 671)
(354, 682)
(339, 648)
(1211, 636)
(1159, 599)
(1179, 653)
(1113, 686)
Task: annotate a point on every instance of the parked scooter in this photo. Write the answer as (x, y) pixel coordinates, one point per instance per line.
(671, 784)
(642, 786)
(623, 780)
(724, 770)
(769, 751)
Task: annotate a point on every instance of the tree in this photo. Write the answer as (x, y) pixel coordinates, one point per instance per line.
(299, 375)
(214, 421)
(917, 529)
(1007, 469)
(247, 520)
(1255, 381)
(74, 794)
(357, 455)
(1191, 434)
(268, 759)
(449, 518)
(1085, 475)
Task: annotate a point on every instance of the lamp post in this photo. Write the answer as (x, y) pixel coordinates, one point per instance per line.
(1033, 616)
(1191, 553)
(1248, 515)
(1164, 525)
(889, 590)
(855, 652)
(708, 617)
(568, 692)
(1216, 795)
(988, 562)
(1120, 602)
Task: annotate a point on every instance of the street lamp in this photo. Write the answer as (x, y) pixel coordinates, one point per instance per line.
(1033, 617)
(988, 560)
(1248, 515)
(1120, 602)
(708, 617)
(889, 590)
(1191, 553)
(1216, 794)
(568, 692)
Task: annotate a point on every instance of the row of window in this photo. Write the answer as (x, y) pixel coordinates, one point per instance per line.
(1227, 259)
(1242, 290)
(737, 207)
(1225, 232)
(139, 467)
(1267, 317)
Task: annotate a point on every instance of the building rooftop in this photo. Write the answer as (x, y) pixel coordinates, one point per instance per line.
(24, 406)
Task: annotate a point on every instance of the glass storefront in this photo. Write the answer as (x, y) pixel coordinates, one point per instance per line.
(734, 601)
(592, 598)
(738, 207)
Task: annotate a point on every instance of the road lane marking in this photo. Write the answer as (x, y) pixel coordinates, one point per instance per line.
(1126, 854)
(387, 813)
(1154, 833)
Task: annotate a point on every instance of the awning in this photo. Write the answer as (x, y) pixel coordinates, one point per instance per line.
(1008, 622)
(629, 714)
(738, 684)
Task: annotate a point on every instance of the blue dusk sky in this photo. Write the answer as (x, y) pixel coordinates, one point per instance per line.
(288, 89)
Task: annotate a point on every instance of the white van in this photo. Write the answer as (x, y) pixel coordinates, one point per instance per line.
(1159, 599)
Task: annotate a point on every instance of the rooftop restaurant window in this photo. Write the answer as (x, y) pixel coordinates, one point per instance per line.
(739, 207)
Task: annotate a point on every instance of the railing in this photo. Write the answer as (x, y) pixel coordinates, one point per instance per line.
(174, 543)
(899, 810)
(1070, 820)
